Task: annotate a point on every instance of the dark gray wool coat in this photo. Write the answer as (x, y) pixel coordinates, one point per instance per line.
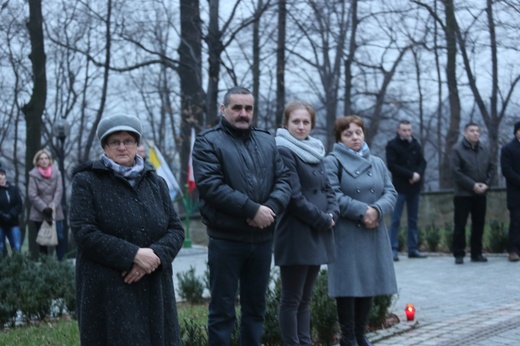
(302, 235)
(111, 220)
(364, 265)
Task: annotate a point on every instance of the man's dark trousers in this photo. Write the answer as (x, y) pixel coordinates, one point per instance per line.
(231, 262)
(463, 206)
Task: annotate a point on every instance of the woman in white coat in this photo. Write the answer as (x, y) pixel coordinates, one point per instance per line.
(364, 267)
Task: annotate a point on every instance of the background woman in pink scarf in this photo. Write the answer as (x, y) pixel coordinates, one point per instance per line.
(45, 188)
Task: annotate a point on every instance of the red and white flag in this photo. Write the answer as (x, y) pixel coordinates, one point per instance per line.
(191, 178)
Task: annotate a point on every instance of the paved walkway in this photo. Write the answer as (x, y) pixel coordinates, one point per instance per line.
(470, 304)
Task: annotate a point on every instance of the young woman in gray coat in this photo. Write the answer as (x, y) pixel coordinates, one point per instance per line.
(364, 267)
(303, 237)
(128, 234)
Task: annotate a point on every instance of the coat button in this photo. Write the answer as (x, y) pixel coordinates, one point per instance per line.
(358, 190)
(357, 172)
(372, 191)
(369, 174)
(315, 191)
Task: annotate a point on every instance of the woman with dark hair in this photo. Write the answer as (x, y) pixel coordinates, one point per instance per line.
(10, 210)
(364, 263)
(128, 234)
(303, 236)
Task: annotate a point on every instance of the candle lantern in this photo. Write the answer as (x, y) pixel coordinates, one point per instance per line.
(410, 312)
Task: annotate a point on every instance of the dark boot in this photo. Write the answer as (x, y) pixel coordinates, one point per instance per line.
(345, 308)
(362, 311)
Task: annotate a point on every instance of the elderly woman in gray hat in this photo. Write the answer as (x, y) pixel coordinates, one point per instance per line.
(128, 234)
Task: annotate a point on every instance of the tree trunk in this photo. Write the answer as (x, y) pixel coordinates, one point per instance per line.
(215, 48)
(190, 74)
(280, 61)
(256, 64)
(350, 57)
(33, 110)
(454, 100)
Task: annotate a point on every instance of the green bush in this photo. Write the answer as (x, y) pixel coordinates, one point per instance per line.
(432, 234)
(324, 317)
(448, 236)
(190, 287)
(379, 311)
(36, 289)
(271, 335)
(497, 236)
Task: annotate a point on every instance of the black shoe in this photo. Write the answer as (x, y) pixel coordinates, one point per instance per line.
(396, 258)
(459, 260)
(479, 258)
(416, 254)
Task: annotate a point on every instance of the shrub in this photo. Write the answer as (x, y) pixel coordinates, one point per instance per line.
(497, 237)
(271, 331)
(401, 238)
(432, 234)
(379, 311)
(448, 236)
(36, 289)
(190, 287)
(324, 317)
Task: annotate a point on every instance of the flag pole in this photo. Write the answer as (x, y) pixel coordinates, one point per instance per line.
(187, 208)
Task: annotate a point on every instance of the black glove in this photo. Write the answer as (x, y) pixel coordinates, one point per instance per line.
(47, 214)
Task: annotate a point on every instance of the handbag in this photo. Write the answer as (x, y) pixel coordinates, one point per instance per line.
(47, 235)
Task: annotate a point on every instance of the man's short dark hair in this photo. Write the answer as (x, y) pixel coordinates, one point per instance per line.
(471, 124)
(404, 122)
(234, 91)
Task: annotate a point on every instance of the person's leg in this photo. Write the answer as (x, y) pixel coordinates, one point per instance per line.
(292, 279)
(304, 312)
(254, 280)
(362, 312)
(396, 222)
(225, 261)
(478, 219)
(460, 216)
(513, 245)
(61, 248)
(346, 318)
(3, 248)
(15, 238)
(412, 211)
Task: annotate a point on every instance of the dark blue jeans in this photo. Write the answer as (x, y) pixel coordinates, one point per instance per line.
(61, 248)
(230, 264)
(15, 239)
(294, 311)
(463, 206)
(412, 210)
(513, 244)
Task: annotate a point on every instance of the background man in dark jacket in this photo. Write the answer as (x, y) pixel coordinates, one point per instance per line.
(473, 172)
(407, 164)
(243, 185)
(510, 162)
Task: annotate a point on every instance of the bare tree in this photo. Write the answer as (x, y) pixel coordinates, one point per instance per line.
(280, 60)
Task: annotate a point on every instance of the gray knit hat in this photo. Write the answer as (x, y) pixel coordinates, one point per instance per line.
(117, 123)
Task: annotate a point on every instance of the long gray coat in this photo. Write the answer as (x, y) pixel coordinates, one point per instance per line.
(111, 220)
(364, 265)
(42, 192)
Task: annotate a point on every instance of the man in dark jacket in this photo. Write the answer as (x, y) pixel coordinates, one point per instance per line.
(473, 172)
(407, 164)
(243, 185)
(510, 162)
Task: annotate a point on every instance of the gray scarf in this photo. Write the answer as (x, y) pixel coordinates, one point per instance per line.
(310, 149)
(130, 173)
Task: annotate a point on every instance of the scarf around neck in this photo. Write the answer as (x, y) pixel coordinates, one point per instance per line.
(309, 150)
(45, 172)
(130, 173)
